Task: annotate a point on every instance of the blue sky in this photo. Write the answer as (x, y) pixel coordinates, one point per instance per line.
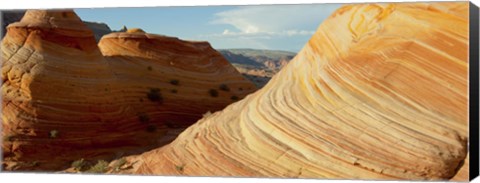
(275, 27)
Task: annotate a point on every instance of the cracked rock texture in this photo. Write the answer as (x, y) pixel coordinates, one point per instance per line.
(64, 99)
(378, 92)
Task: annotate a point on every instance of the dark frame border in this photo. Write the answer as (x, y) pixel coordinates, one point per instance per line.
(474, 75)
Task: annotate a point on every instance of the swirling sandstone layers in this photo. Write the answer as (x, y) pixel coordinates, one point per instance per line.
(63, 100)
(379, 92)
(196, 66)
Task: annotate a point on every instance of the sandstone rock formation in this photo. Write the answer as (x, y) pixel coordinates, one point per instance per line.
(99, 29)
(62, 99)
(379, 92)
(195, 76)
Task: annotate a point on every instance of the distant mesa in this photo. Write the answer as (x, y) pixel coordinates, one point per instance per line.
(374, 94)
(259, 66)
(65, 98)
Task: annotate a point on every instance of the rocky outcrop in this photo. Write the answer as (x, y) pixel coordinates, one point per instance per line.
(63, 98)
(99, 29)
(271, 59)
(8, 17)
(378, 92)
(192, 75)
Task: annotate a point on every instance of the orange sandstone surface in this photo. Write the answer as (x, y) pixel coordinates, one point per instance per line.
(65, 98)
(378, 92)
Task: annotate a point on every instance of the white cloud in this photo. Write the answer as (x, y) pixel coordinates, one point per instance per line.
(274, 20)
(281, 27)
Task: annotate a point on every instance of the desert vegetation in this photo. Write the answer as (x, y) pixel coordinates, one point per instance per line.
(224, 87)
(175, 82)
(154, 95)
(213, 93)
(53, 133)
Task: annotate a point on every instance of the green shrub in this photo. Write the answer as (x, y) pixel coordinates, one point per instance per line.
(224, 87)
(174, 91)
(240, 89)
(8, 138)
(119, 163)
(179, 167)
(234, 97)
(154, 95)
(174, 82)
(79, 164)
(29, 164)
(213, 92)
(150, 68)
(100, 167)
(35, 163)
(53, 133)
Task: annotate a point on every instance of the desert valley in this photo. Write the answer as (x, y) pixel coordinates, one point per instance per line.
(380, 91)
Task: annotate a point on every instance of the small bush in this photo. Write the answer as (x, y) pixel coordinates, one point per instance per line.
(174, 91)
(154, 95)
(100, 167)
(79, 164)
(29, 164)
(8, 138)
(234, 97)
(53, 134)
(224, 87)
(174, 82)
(150, 68)
(119, 163)
(35, 163)
(179, 167)
(151, 128)
(213, 92)
(240, 89)
(208, 113)
(143, 118)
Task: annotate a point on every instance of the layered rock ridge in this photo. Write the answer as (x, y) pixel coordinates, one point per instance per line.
(378, 92)
(62, 99)
(190, 75)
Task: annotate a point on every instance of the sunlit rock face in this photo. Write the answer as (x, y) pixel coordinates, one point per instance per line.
(63, 98)
(186, 72)
(378, 92)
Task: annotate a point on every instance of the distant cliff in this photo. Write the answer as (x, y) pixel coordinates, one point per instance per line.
(257, 65)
